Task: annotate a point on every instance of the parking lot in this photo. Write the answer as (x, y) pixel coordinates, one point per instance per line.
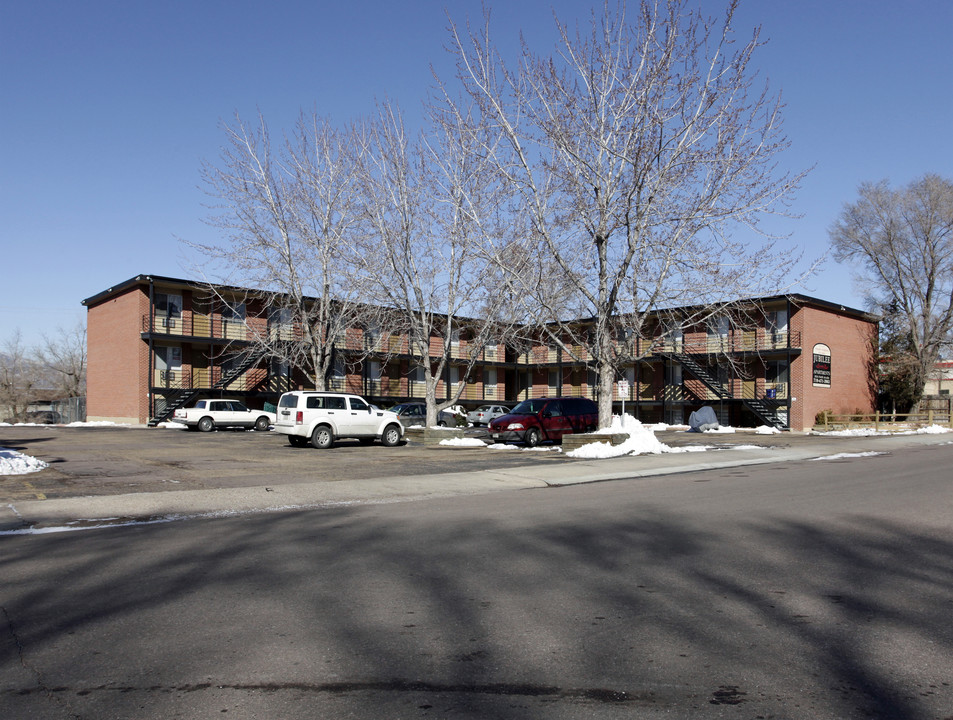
(102, 461)
(114, 460)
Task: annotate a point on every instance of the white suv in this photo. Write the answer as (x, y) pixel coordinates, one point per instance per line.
(320, 417)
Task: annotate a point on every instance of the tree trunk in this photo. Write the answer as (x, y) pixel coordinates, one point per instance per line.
(606, 383)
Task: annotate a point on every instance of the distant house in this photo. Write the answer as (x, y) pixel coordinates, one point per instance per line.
(940, 381)
(156, 343)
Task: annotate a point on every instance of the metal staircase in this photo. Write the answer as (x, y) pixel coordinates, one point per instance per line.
(763, 408)
(182, 397)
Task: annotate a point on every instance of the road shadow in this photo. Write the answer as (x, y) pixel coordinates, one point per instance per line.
(630, 606)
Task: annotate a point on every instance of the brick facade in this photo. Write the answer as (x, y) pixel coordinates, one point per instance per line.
(117, 360)
(853, 356)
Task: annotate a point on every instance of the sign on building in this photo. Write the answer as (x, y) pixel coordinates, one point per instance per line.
(822, 366)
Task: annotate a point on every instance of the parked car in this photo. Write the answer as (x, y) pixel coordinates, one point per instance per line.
(485, 413)
(321, 417)
(210, 414)
(415, 413)
(545, 419)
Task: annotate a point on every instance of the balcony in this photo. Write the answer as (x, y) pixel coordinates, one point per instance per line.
(194, 325)
(736, 342)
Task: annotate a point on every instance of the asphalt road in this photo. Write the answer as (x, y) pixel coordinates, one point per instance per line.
(801, 589)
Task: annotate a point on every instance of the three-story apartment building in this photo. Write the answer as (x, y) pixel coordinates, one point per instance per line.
(157, 343)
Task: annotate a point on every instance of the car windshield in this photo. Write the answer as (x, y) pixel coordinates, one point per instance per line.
(529, 407)
(404, 408)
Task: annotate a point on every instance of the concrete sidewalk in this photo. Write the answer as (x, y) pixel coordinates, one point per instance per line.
(88, 511)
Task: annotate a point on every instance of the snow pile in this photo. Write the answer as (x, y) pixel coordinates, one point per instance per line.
(766, 430)
(463, 442)
(641, 440)
(15, 463)
(721, 429)
(933, 430)
(173, 425)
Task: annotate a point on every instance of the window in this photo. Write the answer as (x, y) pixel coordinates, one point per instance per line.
(169, 305)
(168, 311)
(338, 371)
(358, 404)
(374, 369)
(234, 312)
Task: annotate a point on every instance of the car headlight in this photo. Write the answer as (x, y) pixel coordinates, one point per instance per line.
(515, 426)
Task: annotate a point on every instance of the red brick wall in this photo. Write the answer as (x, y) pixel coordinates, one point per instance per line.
(851, 343)
(118, 360)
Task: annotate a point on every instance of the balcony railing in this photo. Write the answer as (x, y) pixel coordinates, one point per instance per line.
(193, 325)
(742, 341)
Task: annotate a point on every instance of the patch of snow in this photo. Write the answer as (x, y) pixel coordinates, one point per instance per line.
(502, 446)
(463, 442)
(766, 430)
(721, 429)
(96, 423)
(663, 427)
(691, 448)
(16, 463)
(868, 432)
(173, 425)
(840, 456)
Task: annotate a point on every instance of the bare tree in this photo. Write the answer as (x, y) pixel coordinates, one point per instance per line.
(63, 354)
(630, 153)
(424, 198)
(902, 242)
(289, 215)
(20, 376)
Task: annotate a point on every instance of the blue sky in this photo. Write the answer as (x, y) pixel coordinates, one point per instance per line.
(109, 109)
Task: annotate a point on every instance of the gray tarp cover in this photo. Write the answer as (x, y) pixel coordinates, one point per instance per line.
(703, 419)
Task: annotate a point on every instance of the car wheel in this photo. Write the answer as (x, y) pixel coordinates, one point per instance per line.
(531, 438)
(262, 423)
(322, 438)
(391, 436)
(442, 423)
(206, 424)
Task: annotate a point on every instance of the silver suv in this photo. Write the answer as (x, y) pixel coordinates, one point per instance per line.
(320, 417)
